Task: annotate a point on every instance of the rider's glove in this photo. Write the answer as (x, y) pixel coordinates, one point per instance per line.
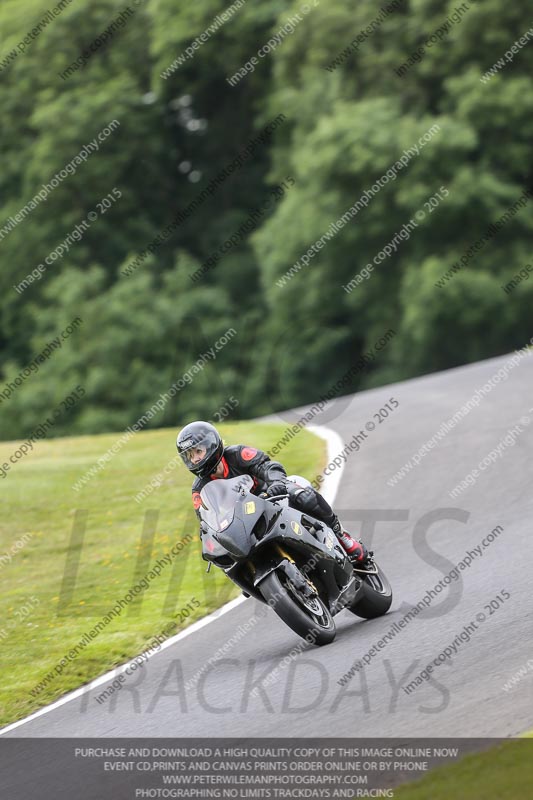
(278, 487)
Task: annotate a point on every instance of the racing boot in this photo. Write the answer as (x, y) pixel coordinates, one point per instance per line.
(355, 549)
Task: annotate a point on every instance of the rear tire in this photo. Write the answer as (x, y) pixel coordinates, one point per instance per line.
(303, 616)
(376, 596)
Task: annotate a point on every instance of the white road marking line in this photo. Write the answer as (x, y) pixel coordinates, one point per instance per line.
(328, 489)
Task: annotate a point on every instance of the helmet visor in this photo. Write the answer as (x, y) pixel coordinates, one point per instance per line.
(195, 452)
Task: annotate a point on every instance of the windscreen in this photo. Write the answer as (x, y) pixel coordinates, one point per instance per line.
(219, 498)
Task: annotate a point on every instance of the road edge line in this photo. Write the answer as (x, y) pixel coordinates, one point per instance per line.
(328, 489)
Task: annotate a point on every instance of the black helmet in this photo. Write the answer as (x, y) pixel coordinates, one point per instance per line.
(200, 434)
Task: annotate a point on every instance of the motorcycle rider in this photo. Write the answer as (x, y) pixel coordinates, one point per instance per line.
(203, 453)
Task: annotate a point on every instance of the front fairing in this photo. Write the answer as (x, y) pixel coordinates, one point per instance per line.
(229, 513)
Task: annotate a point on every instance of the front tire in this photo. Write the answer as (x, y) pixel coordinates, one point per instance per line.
(303, 615)
(376, 597)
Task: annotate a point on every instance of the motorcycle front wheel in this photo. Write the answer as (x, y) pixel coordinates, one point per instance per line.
(306, 616)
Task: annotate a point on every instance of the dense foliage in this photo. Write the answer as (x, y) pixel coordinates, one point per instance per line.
(348, 117)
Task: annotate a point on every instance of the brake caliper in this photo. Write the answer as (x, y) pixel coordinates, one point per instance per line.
(301, 584)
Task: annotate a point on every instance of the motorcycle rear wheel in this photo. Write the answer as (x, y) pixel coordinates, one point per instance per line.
(376, 597)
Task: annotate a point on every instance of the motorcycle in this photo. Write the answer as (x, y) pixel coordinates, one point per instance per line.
(286, 559)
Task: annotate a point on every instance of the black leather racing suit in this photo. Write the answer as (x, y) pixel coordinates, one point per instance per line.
(239, 459)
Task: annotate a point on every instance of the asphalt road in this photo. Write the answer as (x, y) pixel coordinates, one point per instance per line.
(464, 696)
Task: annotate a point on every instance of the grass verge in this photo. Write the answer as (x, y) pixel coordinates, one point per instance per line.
(56, 586)
(504, 772)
